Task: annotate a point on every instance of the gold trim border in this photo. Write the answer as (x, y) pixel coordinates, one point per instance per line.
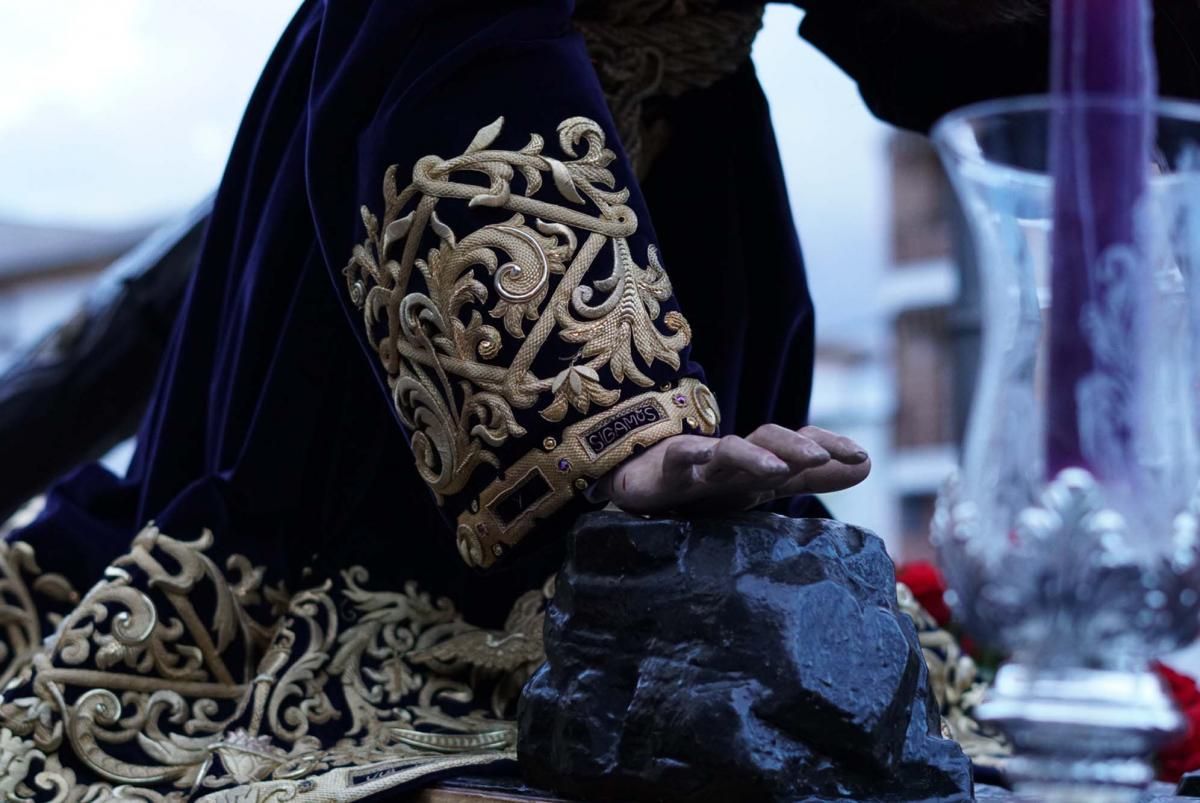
(570, 467)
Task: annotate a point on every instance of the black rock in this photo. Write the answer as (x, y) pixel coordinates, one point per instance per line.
(752, 658)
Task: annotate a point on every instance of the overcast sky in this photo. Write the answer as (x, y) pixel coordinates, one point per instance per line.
(121, 111)
(835, 160)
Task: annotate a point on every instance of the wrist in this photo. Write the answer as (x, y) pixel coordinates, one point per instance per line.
(601, 490)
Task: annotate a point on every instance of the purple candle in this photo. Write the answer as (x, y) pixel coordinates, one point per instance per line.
(1099, 157)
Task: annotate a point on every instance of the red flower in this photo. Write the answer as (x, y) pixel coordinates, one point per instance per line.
(927, 585)
(1184, 755)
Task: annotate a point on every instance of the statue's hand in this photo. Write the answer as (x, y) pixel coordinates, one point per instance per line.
(696, 473)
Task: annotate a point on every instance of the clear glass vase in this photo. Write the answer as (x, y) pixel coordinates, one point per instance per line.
(1081, 573)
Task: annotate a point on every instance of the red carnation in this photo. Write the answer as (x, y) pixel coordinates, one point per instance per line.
(1184, 755)
(927, 585)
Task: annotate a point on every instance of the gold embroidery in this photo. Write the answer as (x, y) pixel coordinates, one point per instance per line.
(644, 50)
(162, 681)
(406, 670)
(956, 684)
(24, 591)
(588, 450)
(123, 669)
(23, 782)
(362, 781)
(455, 382)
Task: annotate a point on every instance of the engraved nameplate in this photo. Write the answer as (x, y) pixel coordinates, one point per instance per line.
(612, 430)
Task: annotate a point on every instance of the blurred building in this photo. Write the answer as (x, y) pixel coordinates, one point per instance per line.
(44, 273)
(853, 396)
(930, 298)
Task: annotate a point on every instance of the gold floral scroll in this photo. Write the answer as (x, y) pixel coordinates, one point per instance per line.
(459, 323)
(178, 675)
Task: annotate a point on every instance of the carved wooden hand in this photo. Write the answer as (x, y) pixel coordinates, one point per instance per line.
(696, 473)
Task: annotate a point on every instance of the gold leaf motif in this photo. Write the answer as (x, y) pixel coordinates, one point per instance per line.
(456, 383)
(16, 758)
(564, 182)
(578, 386)
(611, 331)
(26, 595)
(55, 587)
(486, 136)
(649, 49)
(141, 703)
(169, 667)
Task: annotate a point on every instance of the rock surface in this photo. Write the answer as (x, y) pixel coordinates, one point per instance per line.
(752, 658)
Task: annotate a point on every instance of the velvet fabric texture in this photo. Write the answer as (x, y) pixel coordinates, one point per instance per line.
(271, 460)
(272, 441)
(914, 65)
(272, 423)
(270, 405)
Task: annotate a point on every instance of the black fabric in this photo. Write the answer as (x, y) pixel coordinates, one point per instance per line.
(911, 69)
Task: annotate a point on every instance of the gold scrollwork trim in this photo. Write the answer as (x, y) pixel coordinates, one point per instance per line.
(356, 783)
(586, 452)
(29, 599)
(161, 680)
(460, 323)
(956, 684)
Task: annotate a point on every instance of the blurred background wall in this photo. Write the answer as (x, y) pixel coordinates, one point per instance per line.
(896, 309)
(117, 116)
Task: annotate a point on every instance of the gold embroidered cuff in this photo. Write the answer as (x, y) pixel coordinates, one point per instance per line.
(546, 479)
(530, 346)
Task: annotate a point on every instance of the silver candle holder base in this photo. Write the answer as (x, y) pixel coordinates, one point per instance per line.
(1082, 735)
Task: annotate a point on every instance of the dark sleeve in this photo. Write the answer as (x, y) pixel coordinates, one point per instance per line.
(506, 278)
(911, 69)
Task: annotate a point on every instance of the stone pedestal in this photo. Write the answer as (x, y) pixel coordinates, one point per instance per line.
(749, 658)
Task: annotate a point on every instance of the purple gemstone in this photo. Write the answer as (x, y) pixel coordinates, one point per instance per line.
(681, 400)
(564, 464)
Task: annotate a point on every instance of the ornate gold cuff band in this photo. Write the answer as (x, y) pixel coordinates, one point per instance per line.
(546, 479)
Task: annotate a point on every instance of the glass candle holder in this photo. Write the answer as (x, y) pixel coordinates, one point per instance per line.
(1081, 573)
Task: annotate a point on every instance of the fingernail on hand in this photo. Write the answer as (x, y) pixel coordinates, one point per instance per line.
(776, 466)
(861, 455)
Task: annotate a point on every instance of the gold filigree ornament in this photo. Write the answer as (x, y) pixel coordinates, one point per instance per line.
(163, 683)
(136, 682)
(32, 603)
(432, 313)
(403, 675)
(956, 684)
(646, 51)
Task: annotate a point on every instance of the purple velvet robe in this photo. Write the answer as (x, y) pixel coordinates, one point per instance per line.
(277, 459)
